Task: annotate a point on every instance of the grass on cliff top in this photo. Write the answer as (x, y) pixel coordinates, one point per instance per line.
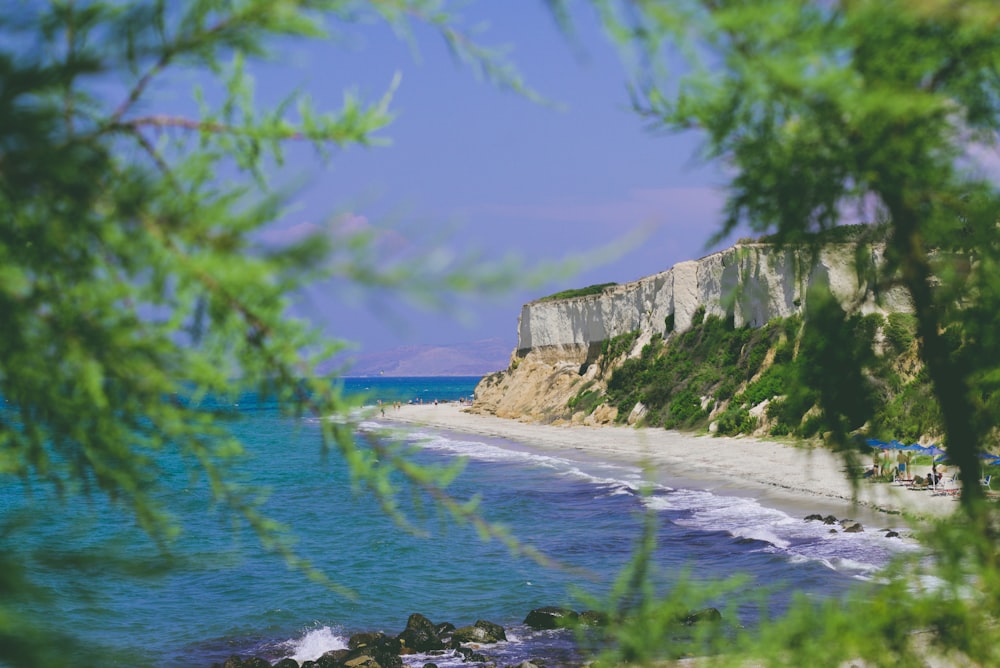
(578, 292)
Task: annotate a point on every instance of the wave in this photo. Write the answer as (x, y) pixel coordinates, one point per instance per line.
(521, 642)
(856, 554)
(313, 644)
(756, 527)
(627, 478)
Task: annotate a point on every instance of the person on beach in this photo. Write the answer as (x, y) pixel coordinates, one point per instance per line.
(901, 466)
(876, 464)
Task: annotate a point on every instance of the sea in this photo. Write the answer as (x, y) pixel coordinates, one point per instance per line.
(215, 592)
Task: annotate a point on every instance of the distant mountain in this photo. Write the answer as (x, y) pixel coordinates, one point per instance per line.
(476, 358)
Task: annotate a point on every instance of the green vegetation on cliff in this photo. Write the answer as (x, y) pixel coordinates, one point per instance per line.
(578, 292)
(716, 372)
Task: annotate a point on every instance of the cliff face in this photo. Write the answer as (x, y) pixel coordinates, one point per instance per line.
(559, 340)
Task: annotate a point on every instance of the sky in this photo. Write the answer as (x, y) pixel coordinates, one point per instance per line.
(474, 170)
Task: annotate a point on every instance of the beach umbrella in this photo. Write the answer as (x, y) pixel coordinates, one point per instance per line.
(943, 459)
(875, 443)
(934, 451)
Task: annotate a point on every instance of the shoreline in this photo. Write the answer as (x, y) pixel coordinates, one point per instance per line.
(797, 480)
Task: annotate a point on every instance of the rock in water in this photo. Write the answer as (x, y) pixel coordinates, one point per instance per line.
(594, 618)
(420, 634)
(550, 617)
(251, 662)
(366, 650)
(480, 632)
(704, 615)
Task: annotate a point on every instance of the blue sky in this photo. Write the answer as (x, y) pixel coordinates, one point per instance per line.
(477, 169)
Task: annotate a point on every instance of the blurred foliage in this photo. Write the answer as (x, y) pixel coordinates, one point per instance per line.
(853, 234)
(871, 110)
(132, 287)
(134, 283)
(877, 110)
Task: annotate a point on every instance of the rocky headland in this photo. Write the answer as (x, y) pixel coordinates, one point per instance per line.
(562, 347)
(444, 642)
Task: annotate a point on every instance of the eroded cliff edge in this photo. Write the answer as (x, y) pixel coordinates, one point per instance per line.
(559, 341)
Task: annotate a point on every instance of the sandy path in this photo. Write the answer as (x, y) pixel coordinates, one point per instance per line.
(781, 475)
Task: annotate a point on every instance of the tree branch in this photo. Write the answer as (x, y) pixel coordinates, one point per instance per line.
(168, 121)
(161, 64)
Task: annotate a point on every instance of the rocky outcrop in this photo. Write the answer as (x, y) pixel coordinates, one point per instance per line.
(559, 341)
(536, 386)
(375, 649)
(420, 634)
(551, 617)
(482, 632)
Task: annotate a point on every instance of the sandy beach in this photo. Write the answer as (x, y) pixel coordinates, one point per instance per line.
(796, 479)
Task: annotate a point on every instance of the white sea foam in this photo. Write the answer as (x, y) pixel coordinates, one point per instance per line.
(314, 644)
(618, 476)
(843, 564)
(484, 451)
(855, 554)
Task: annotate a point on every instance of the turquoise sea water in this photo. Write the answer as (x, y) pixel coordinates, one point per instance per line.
(219, 594)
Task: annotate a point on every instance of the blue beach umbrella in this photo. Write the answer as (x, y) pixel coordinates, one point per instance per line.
(934, 451)
(875, 443)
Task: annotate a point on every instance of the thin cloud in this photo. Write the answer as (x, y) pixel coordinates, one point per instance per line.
(283, 236)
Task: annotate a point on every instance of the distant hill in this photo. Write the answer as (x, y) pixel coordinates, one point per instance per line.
(476, 358)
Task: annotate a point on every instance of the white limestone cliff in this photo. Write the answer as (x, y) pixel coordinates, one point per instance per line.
(558, 340)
